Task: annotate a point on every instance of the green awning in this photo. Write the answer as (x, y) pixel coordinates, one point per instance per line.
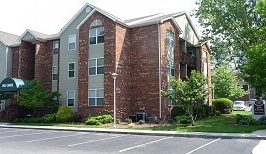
(12, 84)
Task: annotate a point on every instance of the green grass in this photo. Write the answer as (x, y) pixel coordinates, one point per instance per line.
(221, 124)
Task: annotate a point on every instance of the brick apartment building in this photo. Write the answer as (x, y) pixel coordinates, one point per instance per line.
(79, 61)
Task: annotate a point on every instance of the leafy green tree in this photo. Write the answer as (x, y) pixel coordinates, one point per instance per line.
(225, 82)
(188, 93)
(37, 96)
(228, 26)
(5, 96)
(254, 69)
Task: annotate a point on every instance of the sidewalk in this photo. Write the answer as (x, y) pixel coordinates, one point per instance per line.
(260, 135)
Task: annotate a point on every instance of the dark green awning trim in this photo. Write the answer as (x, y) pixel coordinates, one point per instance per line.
(12, 84)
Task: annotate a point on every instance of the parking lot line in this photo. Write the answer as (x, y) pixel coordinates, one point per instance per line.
(142, 145)
(23, 135)
(203, 146)
(96, 140)
(44, 139)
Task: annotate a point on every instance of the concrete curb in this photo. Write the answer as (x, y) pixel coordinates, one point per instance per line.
(254, 136)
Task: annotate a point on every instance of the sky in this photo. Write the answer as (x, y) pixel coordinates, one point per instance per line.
(49, 16)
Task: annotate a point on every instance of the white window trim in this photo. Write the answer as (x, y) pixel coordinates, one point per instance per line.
(71, 98)
(95, 90)
(96, 36)
(96, 66)
(71, 70)
(54, 42)
(72, 42)
(54, 73)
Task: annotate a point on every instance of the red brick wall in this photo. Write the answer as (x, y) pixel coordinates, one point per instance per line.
(123, 70)
(44, 62)
(203, 49)
(144, 72)
(168, 25)
(109, 66)
(27, 61)
(15, 61)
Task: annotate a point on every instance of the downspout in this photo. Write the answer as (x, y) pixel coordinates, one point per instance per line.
(6, 61)
(160, 77)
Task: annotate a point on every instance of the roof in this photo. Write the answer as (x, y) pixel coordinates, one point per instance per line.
(9, 39)
(38, 35)
(130, 23)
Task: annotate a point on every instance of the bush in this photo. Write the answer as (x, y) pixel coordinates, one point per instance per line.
(224, 105)
(64, 114)
(141, 122)
(49, 118)
(245, 120)
(262, 120)
(177, 111)
(183, 119)
(93, 121)
(98, 120)
(128, 121)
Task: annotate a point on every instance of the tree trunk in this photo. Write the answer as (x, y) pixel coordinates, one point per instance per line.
(192, 121)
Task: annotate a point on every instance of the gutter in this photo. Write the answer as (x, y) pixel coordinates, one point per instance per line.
(159, 65)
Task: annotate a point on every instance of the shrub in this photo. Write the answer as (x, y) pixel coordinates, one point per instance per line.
(98, 120)
(141, 122)
(177, 111)
(49, 118)
(128, 121)
(245, 120)
(64, 114)
(93, 121)
(217, 113)
(209, 111)
(118, 121)
(224, 105)
(262, 120)
(183, 119)
(78, 117)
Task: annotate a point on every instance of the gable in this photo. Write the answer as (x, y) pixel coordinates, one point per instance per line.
(28, 37)
(189, 32)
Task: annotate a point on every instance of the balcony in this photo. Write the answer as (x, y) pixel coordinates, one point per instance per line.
(188, 58)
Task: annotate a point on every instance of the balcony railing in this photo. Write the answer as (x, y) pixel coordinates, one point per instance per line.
(188, 58)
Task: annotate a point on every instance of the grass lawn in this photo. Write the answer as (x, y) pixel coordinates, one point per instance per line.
(222, 124)
(219, 124)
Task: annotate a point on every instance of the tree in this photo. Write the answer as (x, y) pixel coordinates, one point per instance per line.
(188, 93)
(37, 96)
(225, 82)
(228, 26)
(5, 96)
(254, 69)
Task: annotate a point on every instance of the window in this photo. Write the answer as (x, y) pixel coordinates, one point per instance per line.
(71, 70)
(97, 35)
(71, 98)
(72, 42)
(55, 73)
(96, 66)
(96, 97)
(55, 47)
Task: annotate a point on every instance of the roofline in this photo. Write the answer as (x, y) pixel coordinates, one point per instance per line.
(3, 42)
(102, 12)
(190, 23)
(29, 31)
(74, 17)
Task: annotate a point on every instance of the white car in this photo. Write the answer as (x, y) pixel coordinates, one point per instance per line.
(239, 105)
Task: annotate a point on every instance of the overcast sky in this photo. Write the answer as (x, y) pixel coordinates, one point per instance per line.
(49, 16)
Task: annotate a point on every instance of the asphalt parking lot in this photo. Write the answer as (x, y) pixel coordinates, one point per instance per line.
(30, 141)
